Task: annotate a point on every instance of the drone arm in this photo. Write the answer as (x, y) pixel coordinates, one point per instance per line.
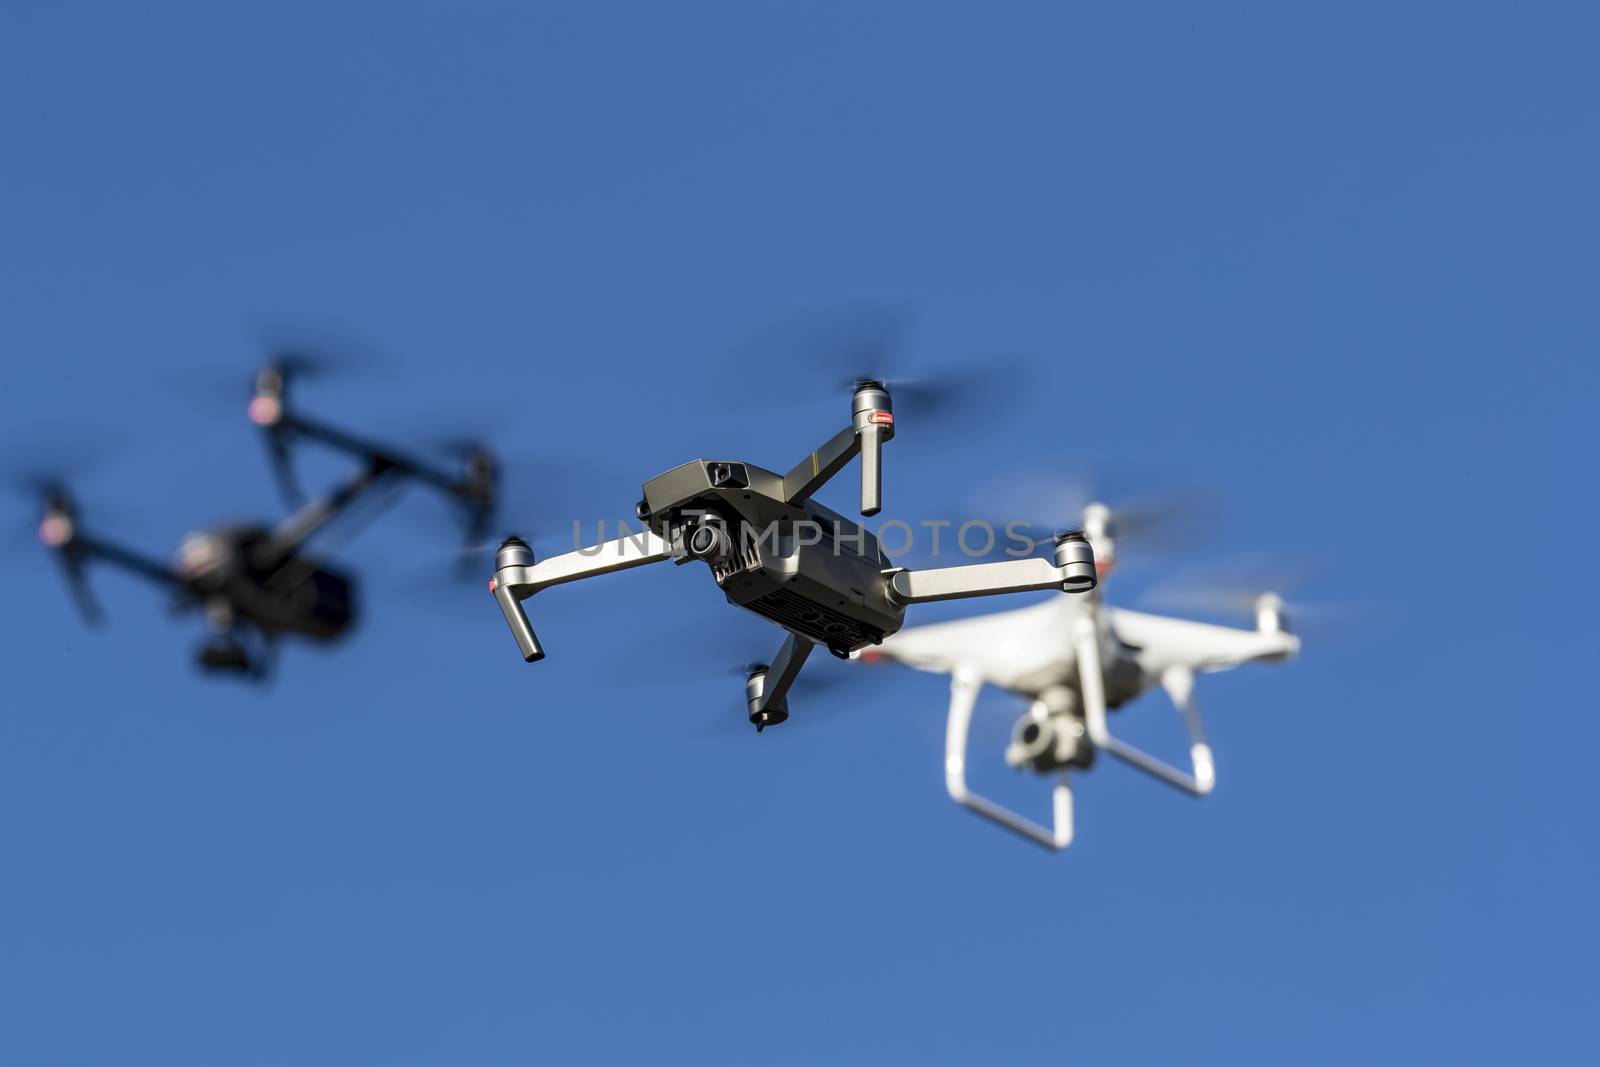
(964, 687)
(784, 670)
(982, 579)
(811, 473)
(515, 582)
(128, 560)
(80, 550)
(1179, 683)
(299, 425)
(293, 531)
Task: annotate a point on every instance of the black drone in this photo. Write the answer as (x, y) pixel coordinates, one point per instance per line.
(255, 583)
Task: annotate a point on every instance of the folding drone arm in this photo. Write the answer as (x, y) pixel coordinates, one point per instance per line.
(964, 687)
(517, 576)
(1072, 572)
(813, 472)
(871, 424)
(767, 690)
(1179, 684)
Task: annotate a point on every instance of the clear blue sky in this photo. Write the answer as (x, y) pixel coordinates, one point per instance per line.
(1339, 263)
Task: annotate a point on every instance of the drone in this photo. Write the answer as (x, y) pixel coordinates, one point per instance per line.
(1073, 659)
(256, 584)
(774, 551)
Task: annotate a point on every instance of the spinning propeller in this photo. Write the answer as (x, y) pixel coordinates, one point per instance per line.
(824, 354)
(478, 500)
(1257, 586)
(724, 647)
(1043, 503)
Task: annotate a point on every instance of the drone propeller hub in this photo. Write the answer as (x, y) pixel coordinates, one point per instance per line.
(1270, 616)
(514, 552)
(871, 407)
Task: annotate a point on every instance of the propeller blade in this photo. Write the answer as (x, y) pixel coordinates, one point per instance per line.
(1245, 586)
(35, 468)
(479, 495)
(1045, 502)
(295, 354)
(823, 356)
(725, 645)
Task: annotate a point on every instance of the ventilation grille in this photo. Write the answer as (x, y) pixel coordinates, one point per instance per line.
(823, 625)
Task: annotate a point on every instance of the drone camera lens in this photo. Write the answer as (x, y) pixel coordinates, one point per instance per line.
(704, 540)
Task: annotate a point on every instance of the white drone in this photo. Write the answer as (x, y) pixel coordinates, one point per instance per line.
(1072, 658)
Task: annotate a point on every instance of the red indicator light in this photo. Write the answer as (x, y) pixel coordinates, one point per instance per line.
(54, 531)
(265, 410)
(494, 583)
(882, 418)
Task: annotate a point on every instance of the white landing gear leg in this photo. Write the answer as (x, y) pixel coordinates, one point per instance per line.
(1179, 684)
(964, 687)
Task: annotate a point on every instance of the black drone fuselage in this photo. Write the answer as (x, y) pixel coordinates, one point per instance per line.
(800, 565)
(242, 570)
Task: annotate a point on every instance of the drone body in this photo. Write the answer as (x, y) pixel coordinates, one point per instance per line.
(257, 584)
(776, 552)
(275, 590)
(1073, 659)
(814, 572)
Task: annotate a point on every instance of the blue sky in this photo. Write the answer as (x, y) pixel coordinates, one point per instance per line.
(1338, 263)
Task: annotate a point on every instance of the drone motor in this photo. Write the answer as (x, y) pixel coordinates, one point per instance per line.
(754, 686)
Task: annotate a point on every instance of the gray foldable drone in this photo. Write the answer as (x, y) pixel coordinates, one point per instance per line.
(775, 551)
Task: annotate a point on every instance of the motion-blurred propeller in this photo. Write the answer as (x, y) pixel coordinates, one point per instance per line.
(823, 356)
(1258, 587)
(725, 646)
(1151, 522)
